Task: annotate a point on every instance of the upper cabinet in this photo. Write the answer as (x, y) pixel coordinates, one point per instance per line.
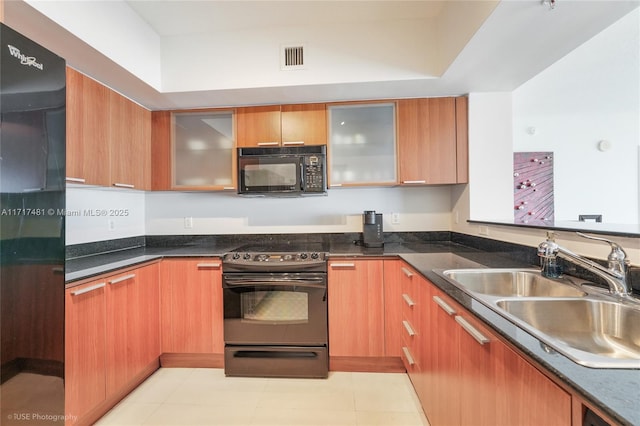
(108, 136)
(281, 125)
(193, 150)
(362, 144)
(432, 140)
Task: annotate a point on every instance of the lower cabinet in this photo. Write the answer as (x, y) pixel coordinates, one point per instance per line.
(356, 308)
(463, 374)
(191, 306)
(112, 340)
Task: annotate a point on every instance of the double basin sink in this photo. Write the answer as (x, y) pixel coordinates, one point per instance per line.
(587, 325)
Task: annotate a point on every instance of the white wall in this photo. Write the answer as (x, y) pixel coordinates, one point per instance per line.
(98, 214)
(592, 94)
(420, 209)
(164, 213)
(490, 157)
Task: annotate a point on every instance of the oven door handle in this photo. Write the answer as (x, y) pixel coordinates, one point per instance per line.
(272, 281)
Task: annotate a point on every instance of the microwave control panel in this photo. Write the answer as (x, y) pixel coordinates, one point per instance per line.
(314, 177)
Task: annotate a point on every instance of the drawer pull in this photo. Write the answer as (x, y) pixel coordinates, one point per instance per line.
(208, 265)
(74, 179)
(87, 289)
(407, 272)
(414, 182)
(228, 188)
(121, 279)
(448, 309)
(268, 143)
(408, 300)
(335, 185)
(342, 265)
(407, 355)
(408, 327)
(480, 338)
(293, 143)
(123, 185)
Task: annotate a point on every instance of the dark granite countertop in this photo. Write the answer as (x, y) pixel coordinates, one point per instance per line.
(614, 391)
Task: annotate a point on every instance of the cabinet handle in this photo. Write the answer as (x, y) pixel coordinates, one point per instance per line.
(413, 182)
(228, 188)
(342, 265)
(480, 338)
(448, 309)
(74, 179)
(123, 185)
(408, 327)
(335, 185)
(408, 299)
(293, 143)
(121, 279)
(208, 265)
(407, 272)
(268, 143)
(87, 289)
(407, 355)
(57, 270)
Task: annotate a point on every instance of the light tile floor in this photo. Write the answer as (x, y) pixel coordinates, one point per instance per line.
(204, 397)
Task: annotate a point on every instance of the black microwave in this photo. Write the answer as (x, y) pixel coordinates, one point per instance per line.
(284, 171)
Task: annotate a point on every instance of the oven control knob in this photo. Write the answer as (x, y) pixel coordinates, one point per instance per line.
(262, 258)
(235, 256)
(314, 255)
(303, 256)
(286, 257)
(246, 256)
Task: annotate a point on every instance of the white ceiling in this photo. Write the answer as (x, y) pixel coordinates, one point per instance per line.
(517, 40)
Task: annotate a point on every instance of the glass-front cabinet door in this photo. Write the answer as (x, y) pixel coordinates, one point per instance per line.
(203, 150)
(362, 144)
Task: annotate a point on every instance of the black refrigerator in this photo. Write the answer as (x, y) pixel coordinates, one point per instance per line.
(32, 229)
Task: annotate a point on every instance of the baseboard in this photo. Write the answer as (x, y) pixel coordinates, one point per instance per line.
(366, 364)
(198, 360)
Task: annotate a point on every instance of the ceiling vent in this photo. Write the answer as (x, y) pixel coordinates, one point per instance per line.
(292, 57)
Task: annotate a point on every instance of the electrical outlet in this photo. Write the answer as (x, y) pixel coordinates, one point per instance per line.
(112, 225)
(484, 230)
(188, 223)
(456, 217)
(395, 218)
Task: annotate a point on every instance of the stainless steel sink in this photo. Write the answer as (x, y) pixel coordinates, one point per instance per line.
(512, 283)
(584, 323)
(595, 333)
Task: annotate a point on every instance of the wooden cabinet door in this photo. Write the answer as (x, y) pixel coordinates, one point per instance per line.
(258, 126)
(122, 296)
(444, 375)
(85, 347)
(87, 130)
(145, 318)
(356, 308)
(130, 132)
(393, 307)
(528, 397)
(304, 124)
(427, 140)
(191, 306)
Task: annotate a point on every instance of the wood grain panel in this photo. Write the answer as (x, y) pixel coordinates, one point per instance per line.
(462, 139)
(356, 308)
(191, 306)
(85, 347)
(258, 124)
(392, 307)
(74, 142)
(161, 167)
(96, 132)
(427, 140)
(304, 123)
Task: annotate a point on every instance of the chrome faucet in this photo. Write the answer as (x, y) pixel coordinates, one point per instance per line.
(618, 262)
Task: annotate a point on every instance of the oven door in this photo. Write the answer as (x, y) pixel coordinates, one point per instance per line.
(261, 174)
(275, 309)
